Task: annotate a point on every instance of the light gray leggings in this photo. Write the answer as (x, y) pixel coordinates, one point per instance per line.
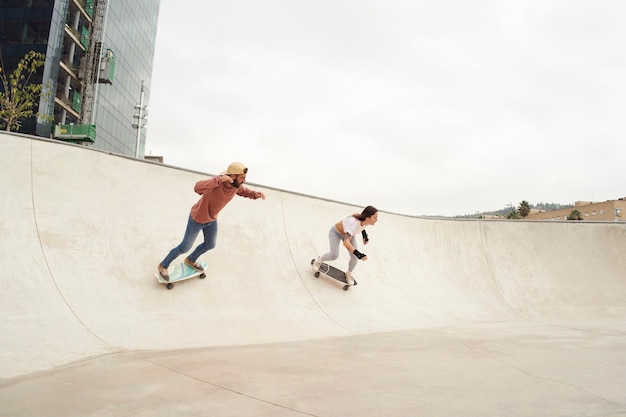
(335, 238)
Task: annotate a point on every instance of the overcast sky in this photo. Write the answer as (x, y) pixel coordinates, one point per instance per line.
(416, 107)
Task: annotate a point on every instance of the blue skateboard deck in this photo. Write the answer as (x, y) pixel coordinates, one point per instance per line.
(332, 272)
(181, 272)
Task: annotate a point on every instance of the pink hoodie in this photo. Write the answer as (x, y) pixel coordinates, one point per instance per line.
(215, 194)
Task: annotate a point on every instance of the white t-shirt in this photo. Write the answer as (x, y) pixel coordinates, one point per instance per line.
(351, 225)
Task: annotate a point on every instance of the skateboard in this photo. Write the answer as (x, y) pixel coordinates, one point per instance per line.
(181, 272)
(332, 272)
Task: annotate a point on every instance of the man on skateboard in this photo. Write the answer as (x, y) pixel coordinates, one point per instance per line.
(215, 193)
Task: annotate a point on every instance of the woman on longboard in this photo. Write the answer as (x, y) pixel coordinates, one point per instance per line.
(345, 231)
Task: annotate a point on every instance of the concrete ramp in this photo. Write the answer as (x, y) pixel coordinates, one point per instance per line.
(82, 232)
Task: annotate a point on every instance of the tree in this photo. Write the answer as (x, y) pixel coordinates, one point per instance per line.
(575, 215)
(514, 215)
(19, 97)
(524, 208)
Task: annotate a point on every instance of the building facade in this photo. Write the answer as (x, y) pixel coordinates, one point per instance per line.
(98, 69)
(611, 210)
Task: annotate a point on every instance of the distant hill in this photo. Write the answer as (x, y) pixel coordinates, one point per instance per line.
(505, 211)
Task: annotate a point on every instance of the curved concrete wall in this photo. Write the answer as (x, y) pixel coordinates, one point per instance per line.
(82, 233)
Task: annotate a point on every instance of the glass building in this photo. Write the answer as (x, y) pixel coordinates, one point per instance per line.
(98, 68)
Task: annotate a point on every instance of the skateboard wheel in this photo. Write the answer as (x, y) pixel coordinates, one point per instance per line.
(345, 287)
(317, 275)
(170, 286)
(312, 261)
(202, 276)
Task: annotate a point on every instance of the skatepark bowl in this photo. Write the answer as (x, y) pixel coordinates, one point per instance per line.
(450, 317)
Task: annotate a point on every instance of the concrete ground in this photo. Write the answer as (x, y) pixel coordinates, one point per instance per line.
(450, 317)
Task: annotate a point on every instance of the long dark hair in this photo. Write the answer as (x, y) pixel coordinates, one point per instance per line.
(368, 211)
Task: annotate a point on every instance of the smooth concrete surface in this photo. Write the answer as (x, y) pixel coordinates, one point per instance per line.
(450, 317)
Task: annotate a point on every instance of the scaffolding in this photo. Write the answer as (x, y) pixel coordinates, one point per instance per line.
(91, 73)
(96, 67)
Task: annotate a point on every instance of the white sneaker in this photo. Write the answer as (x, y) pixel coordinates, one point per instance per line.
(349, 279)
(317, 263)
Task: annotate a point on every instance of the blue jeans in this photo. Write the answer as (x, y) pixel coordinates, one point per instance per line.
(191, 233)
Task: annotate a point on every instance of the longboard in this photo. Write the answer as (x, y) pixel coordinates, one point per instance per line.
(181, 272)
(332, 272)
